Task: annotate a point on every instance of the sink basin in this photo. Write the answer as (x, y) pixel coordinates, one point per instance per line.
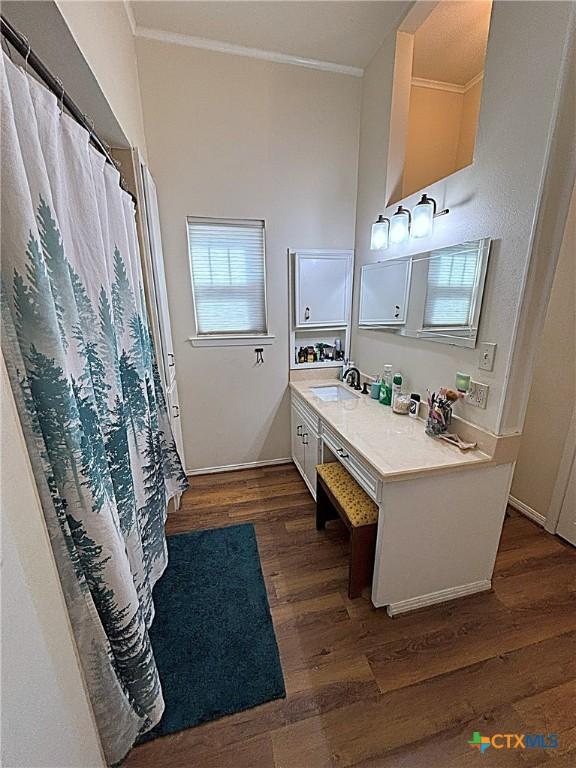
(333, 393)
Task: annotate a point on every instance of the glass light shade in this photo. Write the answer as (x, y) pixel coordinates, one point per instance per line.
(422, 219)
(380, 232)
(400, 226)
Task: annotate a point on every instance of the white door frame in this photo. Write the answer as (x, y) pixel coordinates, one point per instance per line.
(561, 485)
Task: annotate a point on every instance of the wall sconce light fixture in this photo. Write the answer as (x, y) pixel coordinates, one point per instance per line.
(423, 216)
(400, 225)
(380, 234)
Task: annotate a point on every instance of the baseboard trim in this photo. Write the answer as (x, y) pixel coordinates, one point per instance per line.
(233, 467)
(526, 510)
(442, 596)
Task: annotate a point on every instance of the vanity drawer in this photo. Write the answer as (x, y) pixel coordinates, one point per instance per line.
(357, 468)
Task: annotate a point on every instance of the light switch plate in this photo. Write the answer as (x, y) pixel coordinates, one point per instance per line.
(477, 394)
(487, 354)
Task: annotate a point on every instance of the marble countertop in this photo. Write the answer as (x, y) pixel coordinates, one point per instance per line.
(395, 446)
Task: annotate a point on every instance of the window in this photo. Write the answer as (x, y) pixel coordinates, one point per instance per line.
(228, 276)
(451, 288)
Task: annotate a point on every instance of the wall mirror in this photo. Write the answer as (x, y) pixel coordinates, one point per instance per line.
(438, 78)
(435, 295)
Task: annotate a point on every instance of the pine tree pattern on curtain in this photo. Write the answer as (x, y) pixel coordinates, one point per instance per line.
(78, 349)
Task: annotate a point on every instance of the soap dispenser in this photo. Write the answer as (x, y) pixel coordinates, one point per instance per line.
(386, 386)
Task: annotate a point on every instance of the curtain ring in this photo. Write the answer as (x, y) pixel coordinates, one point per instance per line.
(27, 53)
(62, 92)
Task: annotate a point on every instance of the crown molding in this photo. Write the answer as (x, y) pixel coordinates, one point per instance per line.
(471, 83)
(130, 15)
(176, 38)
(439, 85)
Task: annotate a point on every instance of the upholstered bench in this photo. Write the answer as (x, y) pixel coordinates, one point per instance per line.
(339, 495)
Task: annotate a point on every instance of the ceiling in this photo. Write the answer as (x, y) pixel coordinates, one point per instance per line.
(450, 46)
(347, 33)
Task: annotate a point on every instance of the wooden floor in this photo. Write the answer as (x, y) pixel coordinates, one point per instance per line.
(367, 690)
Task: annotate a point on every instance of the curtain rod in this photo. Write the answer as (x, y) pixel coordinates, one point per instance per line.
(20, 43)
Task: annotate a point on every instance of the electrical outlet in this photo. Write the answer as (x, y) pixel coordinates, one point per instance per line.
(477, 394)
(487, 354)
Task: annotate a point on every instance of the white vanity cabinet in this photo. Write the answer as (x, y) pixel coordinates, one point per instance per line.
(384, 289)
(323, 288)
(441, 510)
(305, 442)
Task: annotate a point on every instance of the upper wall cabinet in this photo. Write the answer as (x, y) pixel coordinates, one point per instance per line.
(384, 291)
(323, 288)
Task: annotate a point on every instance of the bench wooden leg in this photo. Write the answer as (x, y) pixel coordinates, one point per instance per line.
(362, 552)
(324, 509)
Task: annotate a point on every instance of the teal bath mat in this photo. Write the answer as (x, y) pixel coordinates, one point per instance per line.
(212, 635)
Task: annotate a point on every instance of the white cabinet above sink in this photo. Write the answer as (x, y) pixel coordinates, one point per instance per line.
(320, 307)
(323, 288)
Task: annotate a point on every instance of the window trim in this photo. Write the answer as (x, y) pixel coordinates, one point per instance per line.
(220, 339)
(213, 340)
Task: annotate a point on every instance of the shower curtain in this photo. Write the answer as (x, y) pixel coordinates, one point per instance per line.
(78, 349)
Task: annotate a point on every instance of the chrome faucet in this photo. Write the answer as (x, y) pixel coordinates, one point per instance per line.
(356, 373)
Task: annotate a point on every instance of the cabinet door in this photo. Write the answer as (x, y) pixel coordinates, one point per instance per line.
(323, 289)
(384, 291)
(297, 443)
(311, 443)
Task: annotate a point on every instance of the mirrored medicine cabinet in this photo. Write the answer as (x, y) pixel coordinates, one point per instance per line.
(434, 295)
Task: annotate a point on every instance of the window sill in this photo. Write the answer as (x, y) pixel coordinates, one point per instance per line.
(230, 341)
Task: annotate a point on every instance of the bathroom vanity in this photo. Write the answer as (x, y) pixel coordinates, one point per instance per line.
(441, 510)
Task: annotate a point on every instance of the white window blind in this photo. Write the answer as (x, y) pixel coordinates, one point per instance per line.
(228, 276)
(451, 287)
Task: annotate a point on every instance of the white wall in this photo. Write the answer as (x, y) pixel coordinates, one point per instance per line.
(46, 718)
(496, 196)
(235, 137)
(103, 33)
(433, 136)
(553, 391)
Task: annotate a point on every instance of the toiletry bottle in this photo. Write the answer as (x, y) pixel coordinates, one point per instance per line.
(337, 348)
(386, 386)
(414, 405)
(396, 385)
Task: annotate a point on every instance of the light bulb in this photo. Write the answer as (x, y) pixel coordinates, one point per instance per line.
(400, 225)
(379, 236)
(423, 217)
